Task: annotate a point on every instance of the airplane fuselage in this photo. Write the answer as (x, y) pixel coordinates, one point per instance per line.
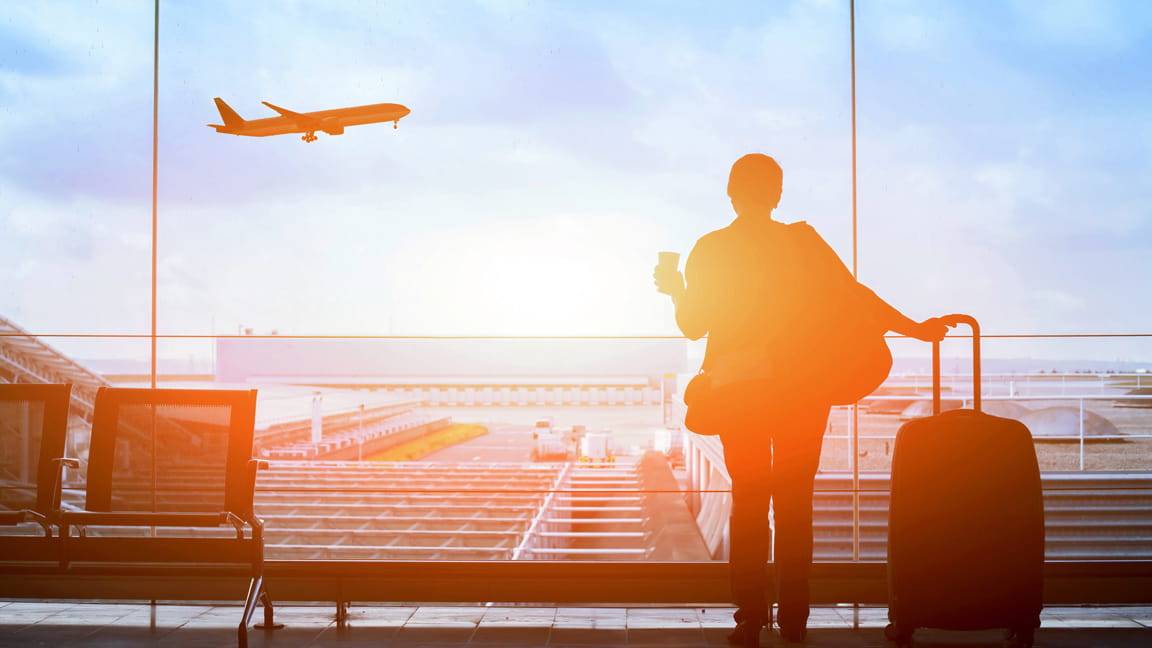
(332, 122)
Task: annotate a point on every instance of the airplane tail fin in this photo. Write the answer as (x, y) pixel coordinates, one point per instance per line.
(231, 119)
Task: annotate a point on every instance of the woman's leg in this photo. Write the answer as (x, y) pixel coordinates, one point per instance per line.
(749, 462)
(796, 442)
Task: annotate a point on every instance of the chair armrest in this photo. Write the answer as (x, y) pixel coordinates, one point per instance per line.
(238, 523)
(254, 466)
(41, 519)
(58, 479)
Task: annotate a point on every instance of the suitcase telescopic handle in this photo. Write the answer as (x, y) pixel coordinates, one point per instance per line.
(953, 320)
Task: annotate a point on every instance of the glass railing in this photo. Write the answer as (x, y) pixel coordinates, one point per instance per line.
(386, 448)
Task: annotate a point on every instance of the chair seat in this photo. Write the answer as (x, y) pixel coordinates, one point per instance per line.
(11, 518)
(15, 550)
(144, 518)
(188, 553)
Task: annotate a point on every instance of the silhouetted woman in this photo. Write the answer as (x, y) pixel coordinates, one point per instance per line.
(769, 295)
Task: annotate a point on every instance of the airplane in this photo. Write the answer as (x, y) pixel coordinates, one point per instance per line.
(332, 122)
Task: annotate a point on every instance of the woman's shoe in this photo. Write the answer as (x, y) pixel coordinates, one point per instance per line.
(746, 634)
(793, 634)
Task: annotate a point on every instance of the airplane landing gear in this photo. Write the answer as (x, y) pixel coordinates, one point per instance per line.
(310, 136)
(396, 124)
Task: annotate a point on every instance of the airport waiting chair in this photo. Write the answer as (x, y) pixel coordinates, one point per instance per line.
(33, 431)
(178, 461)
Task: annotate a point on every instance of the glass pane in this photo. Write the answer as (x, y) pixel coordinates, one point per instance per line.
(21, 428)
(170, 458)
(75, 173)
(551, 151)
(992, 161)
(465, 448)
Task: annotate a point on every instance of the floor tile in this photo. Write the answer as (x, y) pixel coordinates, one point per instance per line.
(519, 617)
(511, 635)
(417, 635)
(105, 625)
(678, 636)
(588, 637)
(446, 616)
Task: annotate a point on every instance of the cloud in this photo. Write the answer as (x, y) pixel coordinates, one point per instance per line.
(1088, 25)
(22, 54)
(88, 258)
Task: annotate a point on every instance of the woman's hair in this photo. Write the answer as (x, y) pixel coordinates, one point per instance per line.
(756, 177)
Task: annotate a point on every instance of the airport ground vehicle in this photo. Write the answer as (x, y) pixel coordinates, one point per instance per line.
(547, 442)
(549, 447)
(597, 447)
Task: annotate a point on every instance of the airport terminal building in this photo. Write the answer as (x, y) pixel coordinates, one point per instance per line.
(463, 372)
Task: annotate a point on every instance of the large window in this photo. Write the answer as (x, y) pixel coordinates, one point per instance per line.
(465, 301)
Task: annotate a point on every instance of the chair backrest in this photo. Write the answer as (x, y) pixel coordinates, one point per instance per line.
(33, 430)
(171, 450)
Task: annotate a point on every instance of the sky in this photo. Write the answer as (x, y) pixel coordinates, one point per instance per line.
(1004, 152)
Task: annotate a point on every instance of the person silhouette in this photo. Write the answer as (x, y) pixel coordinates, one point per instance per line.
(766, 293)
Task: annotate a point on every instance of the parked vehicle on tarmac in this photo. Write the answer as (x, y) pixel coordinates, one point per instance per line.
(597, 447)
(549, 446)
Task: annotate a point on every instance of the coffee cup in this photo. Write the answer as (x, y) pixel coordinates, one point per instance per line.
(668, 261)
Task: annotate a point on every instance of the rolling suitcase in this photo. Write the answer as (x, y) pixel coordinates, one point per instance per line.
(965, 522)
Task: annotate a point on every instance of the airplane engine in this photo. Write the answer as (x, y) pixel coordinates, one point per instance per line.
(332, 128)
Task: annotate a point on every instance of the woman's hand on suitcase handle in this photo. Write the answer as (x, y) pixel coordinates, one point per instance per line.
(933, 329)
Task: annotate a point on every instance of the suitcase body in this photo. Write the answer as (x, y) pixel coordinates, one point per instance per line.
(966, 524)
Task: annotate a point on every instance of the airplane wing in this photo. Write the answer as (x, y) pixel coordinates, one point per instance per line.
(302, 120)
(282, 111)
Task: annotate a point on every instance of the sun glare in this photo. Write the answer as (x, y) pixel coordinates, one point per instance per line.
(562, 275)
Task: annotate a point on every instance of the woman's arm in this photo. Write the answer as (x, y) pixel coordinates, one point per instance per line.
(930, 330)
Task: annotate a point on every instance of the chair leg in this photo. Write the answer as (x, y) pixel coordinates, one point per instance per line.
(255, 587)
(269, 622)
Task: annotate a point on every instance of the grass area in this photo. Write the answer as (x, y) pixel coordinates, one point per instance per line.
(429, 443)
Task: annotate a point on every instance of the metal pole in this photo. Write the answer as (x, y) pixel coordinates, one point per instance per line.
(155, 167)
(155, 174)
(855, 273)
(1081, 435)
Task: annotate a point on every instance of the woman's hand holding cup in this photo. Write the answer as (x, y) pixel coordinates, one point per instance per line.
(667, 275)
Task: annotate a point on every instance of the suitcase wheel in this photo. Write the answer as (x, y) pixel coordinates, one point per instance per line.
(1019, 637)
(899, 634)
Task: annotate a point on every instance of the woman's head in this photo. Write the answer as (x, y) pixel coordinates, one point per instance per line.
(756, 180)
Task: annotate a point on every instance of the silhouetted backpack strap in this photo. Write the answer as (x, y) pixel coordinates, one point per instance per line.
(839, 354)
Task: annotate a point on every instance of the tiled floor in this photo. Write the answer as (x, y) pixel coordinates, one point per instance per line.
(91, 625)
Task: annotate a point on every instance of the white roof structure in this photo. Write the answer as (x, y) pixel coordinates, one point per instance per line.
(27, 359)
(361, 361)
